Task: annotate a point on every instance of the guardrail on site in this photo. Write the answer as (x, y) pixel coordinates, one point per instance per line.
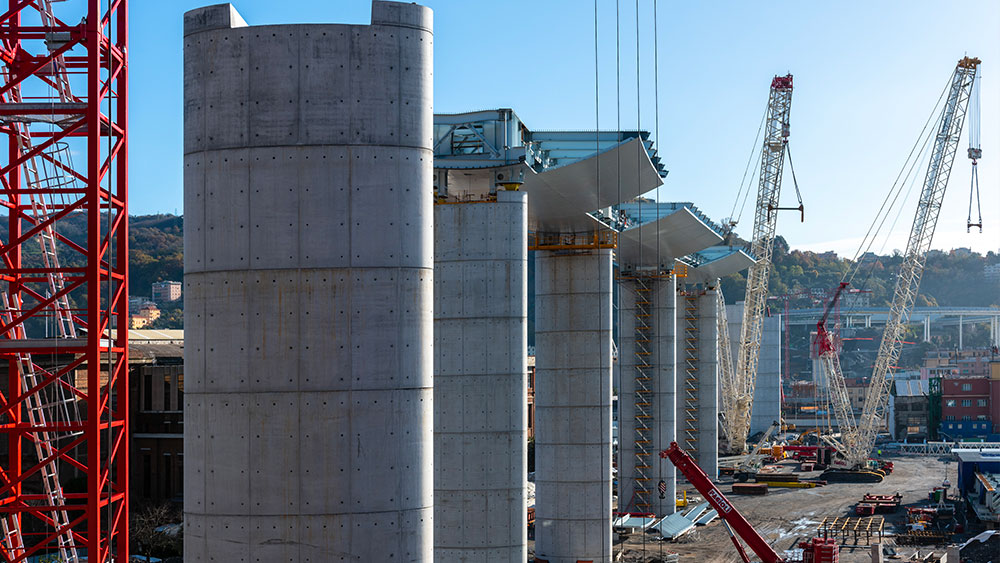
(941, 448)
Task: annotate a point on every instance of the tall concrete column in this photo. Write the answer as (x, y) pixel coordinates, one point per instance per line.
(660, 410)
(308, 288)
(573, 406)
(627, 360)
(708, 382)
(665, 401)
(480, 380)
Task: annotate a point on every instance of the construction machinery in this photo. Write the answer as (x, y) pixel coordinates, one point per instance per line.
(738, 384)
(64, 409)
(752, 462)
(734, 522)
(857, 435)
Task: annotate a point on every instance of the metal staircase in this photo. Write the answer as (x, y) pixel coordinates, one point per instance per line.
(643, 393)
(51, 406)
(691, 348)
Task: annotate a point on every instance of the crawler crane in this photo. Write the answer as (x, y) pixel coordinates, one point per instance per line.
(738, 384)
(857, 437)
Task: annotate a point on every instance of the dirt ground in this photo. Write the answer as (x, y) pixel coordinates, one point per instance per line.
(787, 516)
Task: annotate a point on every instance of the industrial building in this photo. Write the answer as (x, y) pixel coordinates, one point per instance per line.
(979, 483)
(909, 409)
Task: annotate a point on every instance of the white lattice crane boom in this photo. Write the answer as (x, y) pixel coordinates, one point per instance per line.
(858, 439)
(738, 385)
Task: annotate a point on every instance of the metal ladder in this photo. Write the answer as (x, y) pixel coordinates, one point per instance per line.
(12, 540)
(691, 346)
(643, 393)
(42, 410)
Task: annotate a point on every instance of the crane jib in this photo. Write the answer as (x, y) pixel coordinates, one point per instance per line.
(859, 438)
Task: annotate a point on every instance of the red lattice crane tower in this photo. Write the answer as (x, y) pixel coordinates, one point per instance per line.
(64, 280)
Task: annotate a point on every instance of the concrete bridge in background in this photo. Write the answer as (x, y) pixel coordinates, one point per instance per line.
(941, 316)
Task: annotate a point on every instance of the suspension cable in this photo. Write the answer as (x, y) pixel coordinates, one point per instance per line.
(975, 153)
(753, 153)
(795, 182)
(597, 148)
(908, 181)
(659, 339)
(638, 167)
(869, 237)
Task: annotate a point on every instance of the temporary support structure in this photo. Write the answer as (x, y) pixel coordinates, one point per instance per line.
(691, 363)
(74, 416)
(643, 392)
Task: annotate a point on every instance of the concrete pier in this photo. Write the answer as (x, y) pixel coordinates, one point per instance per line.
(708, 381)
(573, 405)
(766, 406)
(480, 379)
(659, 405)
(308, 288)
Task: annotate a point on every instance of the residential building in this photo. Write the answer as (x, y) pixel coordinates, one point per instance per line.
(857, 390)
(144, 316)
(966, 407)
(851, 301)
(166, 291)
(971, 362)
(992, 272)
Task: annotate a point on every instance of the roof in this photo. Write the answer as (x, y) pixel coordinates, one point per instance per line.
(560, 198)
(145, 351)
(715, 262)
(669, 237)
(984, 455)
(166, 336)
(912, 387)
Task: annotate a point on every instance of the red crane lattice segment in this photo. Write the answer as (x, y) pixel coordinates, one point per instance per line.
(734, 520)
(66, 418)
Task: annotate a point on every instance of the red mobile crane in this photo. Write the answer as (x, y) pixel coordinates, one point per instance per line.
(821, 549)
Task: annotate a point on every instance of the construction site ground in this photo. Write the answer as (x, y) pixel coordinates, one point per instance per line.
(786, 516)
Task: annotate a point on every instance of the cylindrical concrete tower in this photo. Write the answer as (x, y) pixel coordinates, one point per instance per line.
(573, 366)
(664, 346)
(308, 288)
(708, 381)
(480, 379)
(648, 394)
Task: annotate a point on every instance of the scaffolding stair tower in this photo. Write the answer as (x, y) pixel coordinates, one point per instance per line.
(643, 392)
(691, 359)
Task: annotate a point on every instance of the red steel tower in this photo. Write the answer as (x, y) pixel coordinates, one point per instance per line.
(64, 280)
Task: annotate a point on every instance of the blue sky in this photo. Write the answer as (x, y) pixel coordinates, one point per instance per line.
(867, 75)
